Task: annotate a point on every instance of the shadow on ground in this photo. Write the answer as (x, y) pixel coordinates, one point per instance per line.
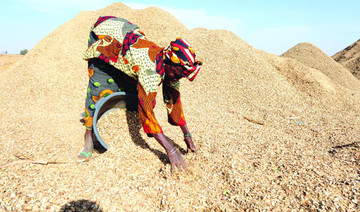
(81, 206)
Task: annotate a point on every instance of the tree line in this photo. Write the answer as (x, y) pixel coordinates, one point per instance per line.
(22, 52)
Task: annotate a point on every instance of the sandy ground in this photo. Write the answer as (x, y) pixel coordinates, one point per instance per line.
(7, 60)
(350, 58)
(273, 133)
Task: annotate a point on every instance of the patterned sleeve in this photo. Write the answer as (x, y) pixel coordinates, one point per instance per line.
(147, 102)
(173, 104)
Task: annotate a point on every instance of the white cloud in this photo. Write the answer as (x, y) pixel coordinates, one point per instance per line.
(295, 30)
(138, 5)
(277, 40)
(56, 6)
(193, 18)
(198, 18)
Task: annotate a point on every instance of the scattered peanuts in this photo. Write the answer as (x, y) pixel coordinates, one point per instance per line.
(297, 149)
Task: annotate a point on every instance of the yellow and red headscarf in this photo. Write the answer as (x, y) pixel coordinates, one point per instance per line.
(181, 53)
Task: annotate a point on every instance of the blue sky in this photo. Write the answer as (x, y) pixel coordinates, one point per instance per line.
(273, 26)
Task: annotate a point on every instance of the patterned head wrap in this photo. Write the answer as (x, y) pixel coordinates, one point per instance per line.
(181, 53)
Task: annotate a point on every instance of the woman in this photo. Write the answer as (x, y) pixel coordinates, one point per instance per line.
(120, 57)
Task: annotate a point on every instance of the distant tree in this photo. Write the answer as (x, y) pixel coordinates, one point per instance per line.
(23, 52)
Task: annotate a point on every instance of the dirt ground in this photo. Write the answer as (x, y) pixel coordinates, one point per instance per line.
(273, 133)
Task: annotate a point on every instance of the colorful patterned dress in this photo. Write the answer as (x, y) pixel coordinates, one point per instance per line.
(117, 47)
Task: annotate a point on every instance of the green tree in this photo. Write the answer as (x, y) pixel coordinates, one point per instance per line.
(23, 52)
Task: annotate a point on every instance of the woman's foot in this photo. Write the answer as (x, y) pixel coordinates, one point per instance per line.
(86, 153)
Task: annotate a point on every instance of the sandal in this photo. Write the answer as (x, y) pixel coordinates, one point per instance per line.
(87, 155)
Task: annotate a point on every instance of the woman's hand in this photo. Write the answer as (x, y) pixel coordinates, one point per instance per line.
(174, 155)
(189, 143)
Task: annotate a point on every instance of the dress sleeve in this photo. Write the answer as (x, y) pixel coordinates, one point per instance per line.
(173, 104)
(147, 102)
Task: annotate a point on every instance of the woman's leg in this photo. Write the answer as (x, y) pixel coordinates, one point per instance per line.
(103, 80)
(89, 145)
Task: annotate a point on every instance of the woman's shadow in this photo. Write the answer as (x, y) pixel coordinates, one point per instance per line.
(81, 205)
(134, 127)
